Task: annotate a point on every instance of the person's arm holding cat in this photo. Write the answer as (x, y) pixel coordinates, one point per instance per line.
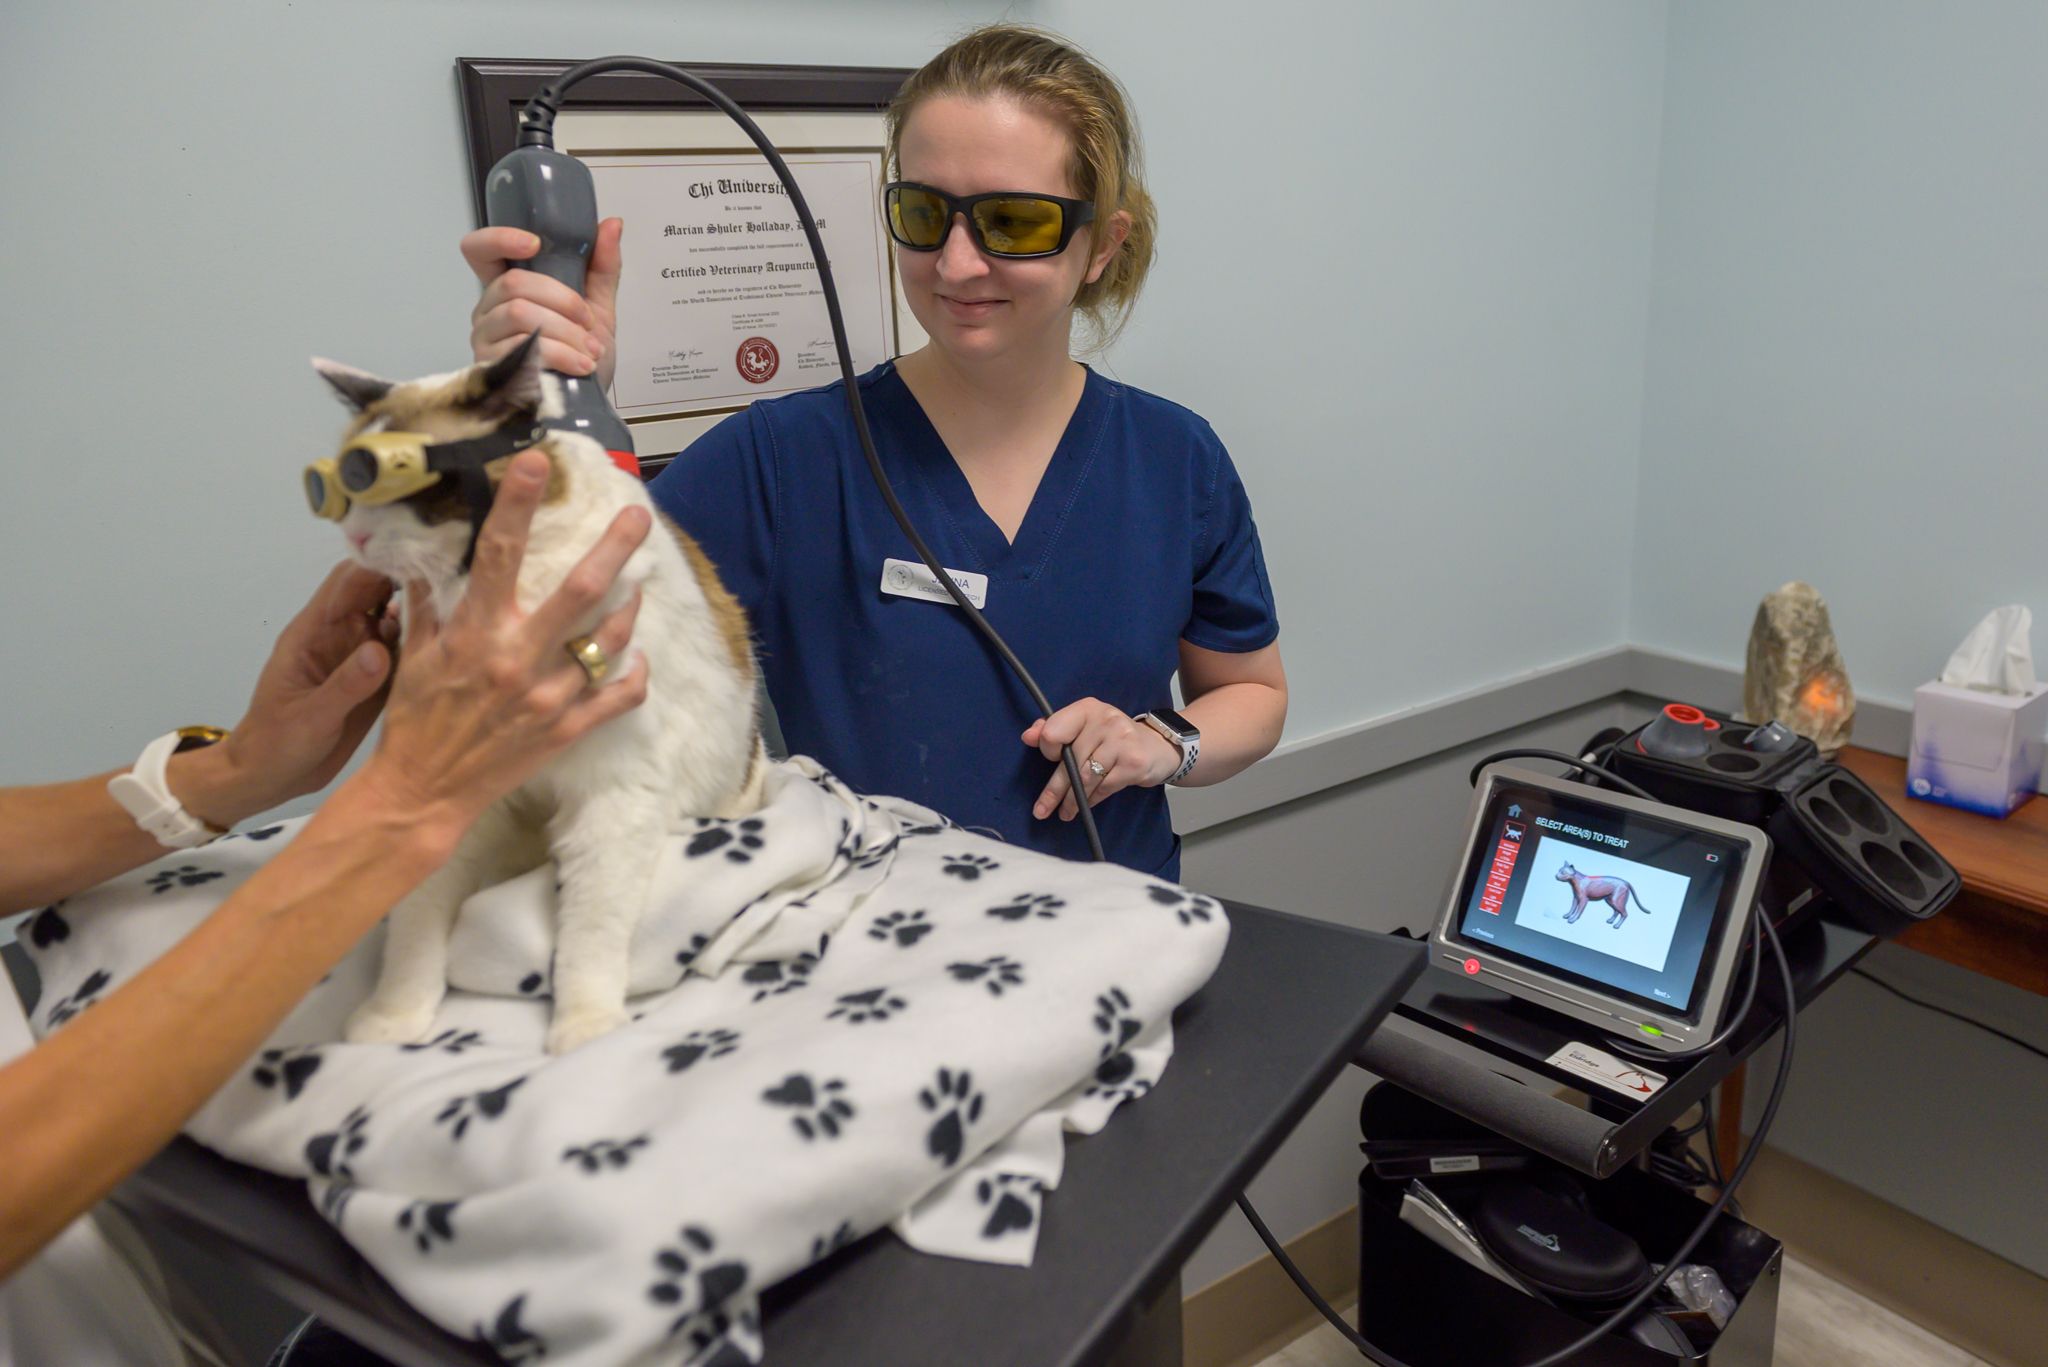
(315, 700)
(478, 704)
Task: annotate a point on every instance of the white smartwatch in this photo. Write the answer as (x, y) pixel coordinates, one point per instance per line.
(1183, 734)
(147, 797)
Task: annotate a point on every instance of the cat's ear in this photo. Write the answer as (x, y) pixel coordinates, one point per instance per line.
(357, 388)
(513, 380)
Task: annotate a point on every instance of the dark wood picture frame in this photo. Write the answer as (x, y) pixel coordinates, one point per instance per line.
(493, 89)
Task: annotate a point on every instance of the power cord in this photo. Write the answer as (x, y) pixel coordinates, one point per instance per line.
(1601, 773)
(1873, 979)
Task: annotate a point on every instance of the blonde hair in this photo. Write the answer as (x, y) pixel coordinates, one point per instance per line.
(1048, 72)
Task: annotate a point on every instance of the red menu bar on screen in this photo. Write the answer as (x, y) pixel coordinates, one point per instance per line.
(1508, 849)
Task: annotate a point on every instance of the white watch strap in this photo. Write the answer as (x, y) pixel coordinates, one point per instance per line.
(146, 795)
(1190, 749)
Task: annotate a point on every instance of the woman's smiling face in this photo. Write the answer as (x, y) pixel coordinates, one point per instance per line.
(975, 306)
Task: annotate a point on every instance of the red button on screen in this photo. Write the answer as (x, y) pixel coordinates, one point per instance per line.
(1471, 965)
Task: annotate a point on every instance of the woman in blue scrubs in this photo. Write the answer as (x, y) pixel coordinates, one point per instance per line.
(1113, 533)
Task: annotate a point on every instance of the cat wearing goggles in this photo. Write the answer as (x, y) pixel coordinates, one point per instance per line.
(601, 809)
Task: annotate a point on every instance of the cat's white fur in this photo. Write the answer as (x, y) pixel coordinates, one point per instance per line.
(601, 808)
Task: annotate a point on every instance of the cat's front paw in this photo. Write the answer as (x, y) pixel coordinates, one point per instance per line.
(576, 1029)
(376, 1023)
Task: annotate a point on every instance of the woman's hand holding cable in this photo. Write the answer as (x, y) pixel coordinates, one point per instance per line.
(1115, 752)
(576, 330)
(488, 696)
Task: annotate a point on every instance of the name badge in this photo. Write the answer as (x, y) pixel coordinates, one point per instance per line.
(910, 579)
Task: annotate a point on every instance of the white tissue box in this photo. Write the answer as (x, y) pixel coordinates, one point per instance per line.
(1976, 750)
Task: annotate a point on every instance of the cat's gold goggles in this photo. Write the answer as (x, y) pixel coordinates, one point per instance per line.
(384, 467)
(377, 467)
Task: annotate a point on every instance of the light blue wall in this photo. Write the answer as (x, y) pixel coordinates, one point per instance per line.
(1404, 250)
(1848, 384)
(1848, 373)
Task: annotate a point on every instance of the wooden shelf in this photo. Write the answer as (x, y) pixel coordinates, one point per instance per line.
(1998, 923)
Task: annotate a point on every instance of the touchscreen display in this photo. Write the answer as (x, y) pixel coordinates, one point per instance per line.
(1613, 899)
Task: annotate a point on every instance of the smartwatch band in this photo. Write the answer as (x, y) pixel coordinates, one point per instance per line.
(146, 796)
(1188, 741)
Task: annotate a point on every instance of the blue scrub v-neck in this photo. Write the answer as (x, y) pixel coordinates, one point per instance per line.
(1137, 537)
(994, 554)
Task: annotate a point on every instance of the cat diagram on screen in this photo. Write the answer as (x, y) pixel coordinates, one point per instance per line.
(1597, 899)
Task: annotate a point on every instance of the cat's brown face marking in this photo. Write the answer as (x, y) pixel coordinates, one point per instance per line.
(415, 535)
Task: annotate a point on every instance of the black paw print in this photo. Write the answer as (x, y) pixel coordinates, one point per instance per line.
(508, 1338)
(1028, 904)
(875, 1004)
(1113, 1019)
(777, 976)
(185, 875)
(1008, 1212)
(690, 1262)
(48, 928)
(953, 1099)
(1118, 1093)
(329, 1155)
(906, 928)
(821, 1109)
(1113, 1071)
(532, 983)
(489, 1105)
(82, 996)
(825, 1245)
(968, 866)
(875, 854)
(265, 832)
(997, 974)
(700, 1044)
(293, 1067)
(739, 839)
(1190, 907)
(687, 955)
(711, 1344)
(448, 1042)
(429, 1222)
(600, 1154)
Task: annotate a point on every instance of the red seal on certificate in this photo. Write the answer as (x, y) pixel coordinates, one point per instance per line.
(757, 360)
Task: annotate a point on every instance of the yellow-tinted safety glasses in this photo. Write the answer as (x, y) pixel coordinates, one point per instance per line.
(1008, 223)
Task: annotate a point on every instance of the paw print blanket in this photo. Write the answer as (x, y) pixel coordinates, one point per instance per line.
(847, 1014)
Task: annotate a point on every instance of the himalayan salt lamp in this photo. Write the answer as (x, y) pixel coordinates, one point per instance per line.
(1794, 673)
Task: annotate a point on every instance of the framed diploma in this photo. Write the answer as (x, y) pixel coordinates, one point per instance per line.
(719, 300)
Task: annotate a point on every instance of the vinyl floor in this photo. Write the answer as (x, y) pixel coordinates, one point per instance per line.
(1821, 1323)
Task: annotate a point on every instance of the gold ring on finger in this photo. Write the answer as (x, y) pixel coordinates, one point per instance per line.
(590, 655)
(1095, 768)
